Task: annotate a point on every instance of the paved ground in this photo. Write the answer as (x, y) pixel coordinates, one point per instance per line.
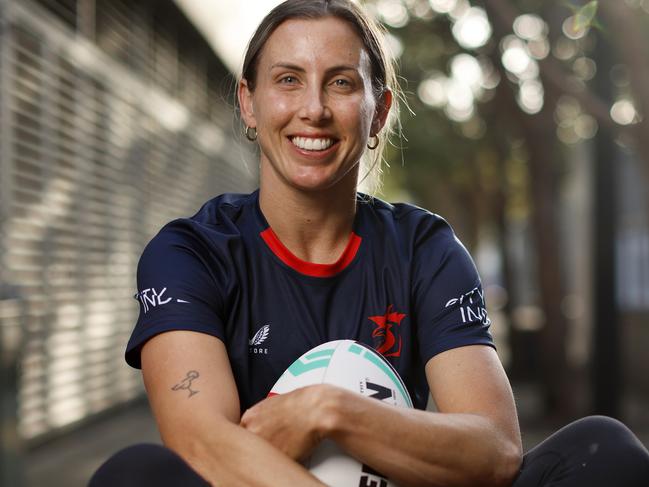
(71, 460)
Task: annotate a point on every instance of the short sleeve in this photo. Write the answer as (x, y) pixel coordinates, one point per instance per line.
(180, 287)
(448, 295)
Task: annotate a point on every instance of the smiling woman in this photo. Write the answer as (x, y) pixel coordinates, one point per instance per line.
(259, 279)
(372, 72)
(313, 109)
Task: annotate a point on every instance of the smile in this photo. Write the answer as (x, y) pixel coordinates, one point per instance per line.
(312, 144)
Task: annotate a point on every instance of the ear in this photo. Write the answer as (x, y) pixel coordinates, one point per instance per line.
(245, 104)
(382, 110)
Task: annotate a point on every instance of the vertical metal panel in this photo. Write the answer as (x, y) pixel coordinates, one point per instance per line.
(98, 152)
(10, 305)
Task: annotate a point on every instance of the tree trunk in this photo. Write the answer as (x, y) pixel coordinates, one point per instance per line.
(555, 369)
(539, 133)
(633, 49)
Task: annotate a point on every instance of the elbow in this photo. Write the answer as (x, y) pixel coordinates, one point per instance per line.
(498, 469)
(507, 466)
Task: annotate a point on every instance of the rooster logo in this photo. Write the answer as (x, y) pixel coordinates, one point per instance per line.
(385, 341)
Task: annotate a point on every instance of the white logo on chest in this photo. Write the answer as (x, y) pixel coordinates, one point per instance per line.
(259, 338)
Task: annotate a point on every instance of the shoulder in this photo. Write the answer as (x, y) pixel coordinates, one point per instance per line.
(225, 207)
(423, 238)
(221, 216)
(211, 232)
(409, 222)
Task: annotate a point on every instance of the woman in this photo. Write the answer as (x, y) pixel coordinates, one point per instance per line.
(233, 295)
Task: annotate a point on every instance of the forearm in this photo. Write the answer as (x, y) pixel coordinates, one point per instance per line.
(226, 454)
(199, 416)
(415, 447)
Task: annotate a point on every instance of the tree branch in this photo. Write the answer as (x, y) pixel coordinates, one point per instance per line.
(553, 73)
(632, 47)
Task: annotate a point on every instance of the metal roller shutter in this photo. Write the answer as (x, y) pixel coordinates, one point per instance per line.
(101, 143)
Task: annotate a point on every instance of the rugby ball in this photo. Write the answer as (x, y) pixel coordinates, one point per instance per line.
(356, 367)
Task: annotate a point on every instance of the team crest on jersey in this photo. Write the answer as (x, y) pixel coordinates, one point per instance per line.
(387, 334)
(256, 342)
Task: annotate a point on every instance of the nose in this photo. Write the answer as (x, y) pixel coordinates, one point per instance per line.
(314, 105)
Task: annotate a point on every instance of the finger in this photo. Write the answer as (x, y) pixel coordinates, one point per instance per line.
(245, 418)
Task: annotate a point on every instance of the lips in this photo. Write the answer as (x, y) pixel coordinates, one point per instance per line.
(312, 143)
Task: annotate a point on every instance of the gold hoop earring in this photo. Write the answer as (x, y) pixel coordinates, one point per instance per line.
(251, 136)
(375, 144)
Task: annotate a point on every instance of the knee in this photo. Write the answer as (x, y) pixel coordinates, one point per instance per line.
(144, 464)
(141, 452)
(130, 465)
(614, 438)
(599, 423)
(601, 428)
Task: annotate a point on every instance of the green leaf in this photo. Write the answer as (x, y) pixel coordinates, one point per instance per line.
(585, 16)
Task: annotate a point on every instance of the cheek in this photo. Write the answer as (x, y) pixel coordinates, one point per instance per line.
(360, 116)
(271, 109)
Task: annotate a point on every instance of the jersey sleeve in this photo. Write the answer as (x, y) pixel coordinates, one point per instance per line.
(448, 295)
(180, 287)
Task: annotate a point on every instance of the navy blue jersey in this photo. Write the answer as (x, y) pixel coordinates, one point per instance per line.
(404, 285)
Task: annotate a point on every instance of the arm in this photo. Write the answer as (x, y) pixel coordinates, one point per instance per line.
(473, 440)
(203, 426)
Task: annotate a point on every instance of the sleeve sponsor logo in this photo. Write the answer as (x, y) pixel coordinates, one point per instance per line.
(472, 306)
(152, 298)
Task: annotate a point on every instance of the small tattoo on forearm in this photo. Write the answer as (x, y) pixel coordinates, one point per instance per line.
(186, 383)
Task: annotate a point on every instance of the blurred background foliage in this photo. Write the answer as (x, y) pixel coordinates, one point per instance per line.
(503, 95)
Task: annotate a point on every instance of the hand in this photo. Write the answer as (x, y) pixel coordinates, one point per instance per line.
(292, 422)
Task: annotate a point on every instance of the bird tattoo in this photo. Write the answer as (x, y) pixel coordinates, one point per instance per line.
(186, 383)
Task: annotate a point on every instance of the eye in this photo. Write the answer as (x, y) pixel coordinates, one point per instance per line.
(342, 83)
(289, 80)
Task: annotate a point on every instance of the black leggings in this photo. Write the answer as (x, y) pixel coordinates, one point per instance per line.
(593, 452)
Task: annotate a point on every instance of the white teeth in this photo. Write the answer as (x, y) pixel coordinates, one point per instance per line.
(308, 143)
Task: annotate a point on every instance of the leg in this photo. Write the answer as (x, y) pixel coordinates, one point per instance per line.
(594, 451)
(146, 464)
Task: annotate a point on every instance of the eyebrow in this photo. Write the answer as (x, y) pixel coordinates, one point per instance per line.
(333, 69)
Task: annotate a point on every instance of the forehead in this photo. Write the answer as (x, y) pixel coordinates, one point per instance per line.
(327, 40)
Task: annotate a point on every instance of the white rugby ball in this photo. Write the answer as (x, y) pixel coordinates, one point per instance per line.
(357, 367)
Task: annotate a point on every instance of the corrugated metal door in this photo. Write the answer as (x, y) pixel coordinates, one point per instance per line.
(96, 156)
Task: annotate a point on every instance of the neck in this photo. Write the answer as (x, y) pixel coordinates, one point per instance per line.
(314, 225)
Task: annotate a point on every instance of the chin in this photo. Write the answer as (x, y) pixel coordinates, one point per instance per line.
(311, 186)
(316, 183)
(322, 180)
